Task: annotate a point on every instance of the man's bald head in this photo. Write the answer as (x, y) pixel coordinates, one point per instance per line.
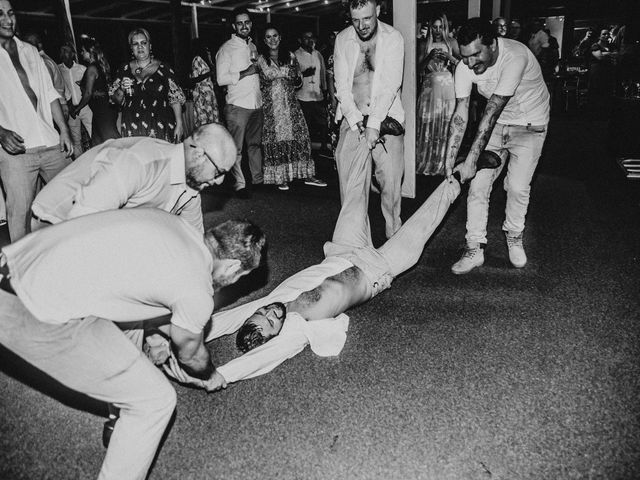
(218, 143)
(210, 153)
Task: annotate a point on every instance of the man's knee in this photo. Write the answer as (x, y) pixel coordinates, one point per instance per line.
(516, 188)
(161, 401)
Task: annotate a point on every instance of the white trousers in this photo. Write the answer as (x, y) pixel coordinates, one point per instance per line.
(523, 145)
(92, 356)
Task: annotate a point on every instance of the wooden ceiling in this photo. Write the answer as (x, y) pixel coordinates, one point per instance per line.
(213, 12)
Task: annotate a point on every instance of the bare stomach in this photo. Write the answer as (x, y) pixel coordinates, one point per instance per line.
(362, 92)
(333, 296)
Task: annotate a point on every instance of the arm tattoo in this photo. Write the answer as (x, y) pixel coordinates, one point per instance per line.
(457, 127)
(492, 112)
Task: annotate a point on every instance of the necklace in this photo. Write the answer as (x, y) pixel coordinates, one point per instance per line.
(140, 69)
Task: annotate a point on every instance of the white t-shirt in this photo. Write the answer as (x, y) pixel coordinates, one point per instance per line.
(516, 73)
(123, 265)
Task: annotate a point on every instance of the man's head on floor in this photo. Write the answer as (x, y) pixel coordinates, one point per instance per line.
(236, 247)
(261, 327)
(209, 154)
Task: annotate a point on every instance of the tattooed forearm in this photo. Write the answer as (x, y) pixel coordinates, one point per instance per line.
(457, 127)
(492, 112)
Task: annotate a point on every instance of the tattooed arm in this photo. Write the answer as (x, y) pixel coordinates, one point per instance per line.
(457, 127)
(492, 112)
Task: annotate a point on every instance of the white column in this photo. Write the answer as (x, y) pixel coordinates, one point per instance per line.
(495, 11)
(405, 20)
(473, 9)
(194, 21)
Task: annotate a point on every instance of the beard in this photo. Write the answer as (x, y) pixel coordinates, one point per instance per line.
(192, 181)
(367, 36)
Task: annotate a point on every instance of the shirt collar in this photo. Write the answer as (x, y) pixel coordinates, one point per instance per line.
(177, 174)
(236, 38)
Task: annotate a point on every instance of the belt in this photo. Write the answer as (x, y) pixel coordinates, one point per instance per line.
(5, 275)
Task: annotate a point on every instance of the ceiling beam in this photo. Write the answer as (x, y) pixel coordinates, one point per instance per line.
(138, 11)
(292, 6)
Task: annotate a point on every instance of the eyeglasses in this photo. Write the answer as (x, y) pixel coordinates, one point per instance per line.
(219, 172)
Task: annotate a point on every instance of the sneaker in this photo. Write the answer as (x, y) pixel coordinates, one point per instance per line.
(472, 257)
(314, 182)
(284, 187)
(517, 257)
(2, 222)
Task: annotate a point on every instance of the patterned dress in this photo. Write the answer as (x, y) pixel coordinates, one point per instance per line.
(205, 105)
(146, 111)
(436, 104)
(285, 136)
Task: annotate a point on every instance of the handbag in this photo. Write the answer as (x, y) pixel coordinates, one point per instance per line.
(389, 126)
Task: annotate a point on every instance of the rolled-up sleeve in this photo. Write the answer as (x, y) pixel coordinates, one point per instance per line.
(224, 73)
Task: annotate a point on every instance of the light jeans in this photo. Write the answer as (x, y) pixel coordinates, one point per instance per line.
(523, 145)
(245, 126)
(354, 170)
(92, 356)
(19, 175)
(84, 117)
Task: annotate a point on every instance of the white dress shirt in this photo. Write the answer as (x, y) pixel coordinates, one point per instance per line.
(312, 87)
(122, 173)
(326, 337)
(387, 78)
(231, 59)
(16, 110)
(71, 78)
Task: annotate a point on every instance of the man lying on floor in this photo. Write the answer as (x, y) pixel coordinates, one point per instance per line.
(308, 308)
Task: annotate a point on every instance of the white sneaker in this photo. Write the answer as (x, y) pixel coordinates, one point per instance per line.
(517, 257)
(472, 257)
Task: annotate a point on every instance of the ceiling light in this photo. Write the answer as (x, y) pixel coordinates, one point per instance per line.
(297, 9)
(288, 4)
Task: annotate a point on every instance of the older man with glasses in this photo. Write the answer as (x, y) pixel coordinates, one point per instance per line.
(139, 172)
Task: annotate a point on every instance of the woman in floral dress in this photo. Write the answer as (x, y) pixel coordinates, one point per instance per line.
(205, 105)
(148, 93)
(285, 136)
(437, 99)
